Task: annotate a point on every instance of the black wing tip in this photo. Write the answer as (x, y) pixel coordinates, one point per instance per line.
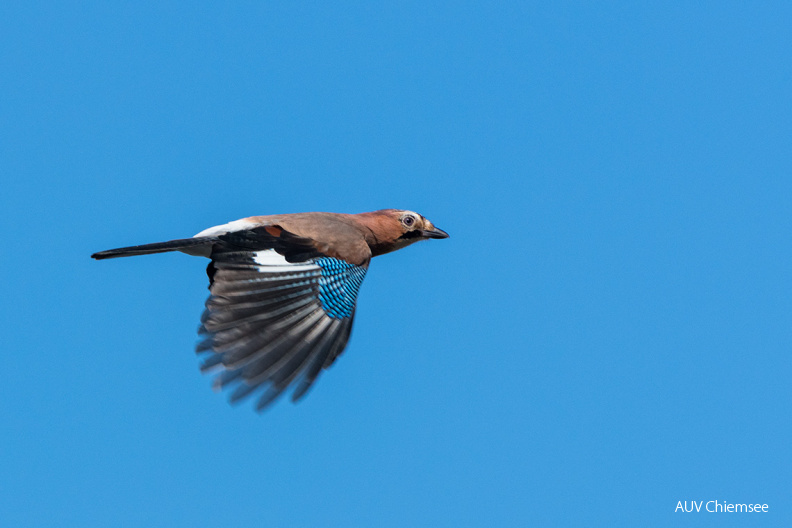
(270, 396)
(302, 389)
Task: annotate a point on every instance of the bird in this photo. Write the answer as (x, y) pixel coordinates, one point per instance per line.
(283, 292)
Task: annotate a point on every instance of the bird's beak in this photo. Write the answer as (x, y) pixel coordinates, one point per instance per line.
(434, 233)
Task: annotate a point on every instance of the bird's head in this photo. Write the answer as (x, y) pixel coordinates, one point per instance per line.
(415, 226)
(394, 229)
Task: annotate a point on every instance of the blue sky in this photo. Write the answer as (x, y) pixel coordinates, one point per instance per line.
(606, 332)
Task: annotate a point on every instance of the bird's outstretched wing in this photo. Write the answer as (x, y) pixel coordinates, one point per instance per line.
(279, 311)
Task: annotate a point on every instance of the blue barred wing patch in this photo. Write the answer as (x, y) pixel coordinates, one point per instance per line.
(339, 286)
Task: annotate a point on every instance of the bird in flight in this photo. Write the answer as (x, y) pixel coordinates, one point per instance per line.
(283, 290)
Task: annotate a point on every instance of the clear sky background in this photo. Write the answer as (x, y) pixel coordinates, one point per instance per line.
(606, 333)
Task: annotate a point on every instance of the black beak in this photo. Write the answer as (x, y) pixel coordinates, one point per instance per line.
(434, 233)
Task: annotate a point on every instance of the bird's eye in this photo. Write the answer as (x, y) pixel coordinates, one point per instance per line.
(408, 220)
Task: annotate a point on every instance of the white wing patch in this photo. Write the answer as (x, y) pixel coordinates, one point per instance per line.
(272, 262)
(236, 225)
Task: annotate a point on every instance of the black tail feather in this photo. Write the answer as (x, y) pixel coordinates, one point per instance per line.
(158, 247)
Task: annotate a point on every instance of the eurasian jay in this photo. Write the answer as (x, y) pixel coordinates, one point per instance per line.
(283, 290)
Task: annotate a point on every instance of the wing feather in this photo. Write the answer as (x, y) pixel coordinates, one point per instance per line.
(278, 313)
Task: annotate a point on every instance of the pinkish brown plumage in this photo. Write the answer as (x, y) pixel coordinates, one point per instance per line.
(283, 291)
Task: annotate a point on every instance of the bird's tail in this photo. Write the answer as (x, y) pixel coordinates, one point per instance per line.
(157, 247)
